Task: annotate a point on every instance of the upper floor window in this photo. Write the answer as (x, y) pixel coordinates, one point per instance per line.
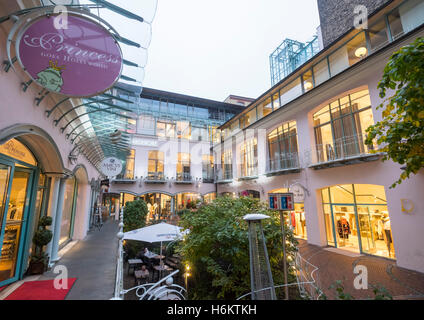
(155, 165)
(282, 146)
(207, 167)
(340, 127)
(146, 124)
(130, 165)
(165, 129)
(183, 167)
(249, 158)
(226, 170)
(183, 130)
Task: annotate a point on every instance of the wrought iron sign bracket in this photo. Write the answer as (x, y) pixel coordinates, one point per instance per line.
(43, 93)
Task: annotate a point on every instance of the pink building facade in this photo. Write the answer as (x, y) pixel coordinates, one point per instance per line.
(341, 187)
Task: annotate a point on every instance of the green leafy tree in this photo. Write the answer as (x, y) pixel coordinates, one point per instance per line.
(135, 213)
(400, 134)
(217, 248)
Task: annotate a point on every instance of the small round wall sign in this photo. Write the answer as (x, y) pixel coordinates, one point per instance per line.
(111, 167)
(82, 60)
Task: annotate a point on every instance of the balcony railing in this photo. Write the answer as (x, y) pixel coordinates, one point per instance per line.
(184, 177)
(155, 177)
(345, 148)
(208, 174)
(224, 173)
(285, 162)
(246, 171)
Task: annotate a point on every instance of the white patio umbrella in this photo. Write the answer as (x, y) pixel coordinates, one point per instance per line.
(161, 232)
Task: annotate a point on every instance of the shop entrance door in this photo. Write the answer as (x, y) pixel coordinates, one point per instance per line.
(14, 206)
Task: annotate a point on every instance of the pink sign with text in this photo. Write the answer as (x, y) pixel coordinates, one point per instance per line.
(80, 61)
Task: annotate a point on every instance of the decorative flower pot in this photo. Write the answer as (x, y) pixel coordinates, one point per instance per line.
(36, 268)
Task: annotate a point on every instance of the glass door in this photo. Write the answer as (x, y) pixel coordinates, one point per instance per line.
(13, 222)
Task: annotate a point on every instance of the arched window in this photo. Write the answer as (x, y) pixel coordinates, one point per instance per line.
(340, 127)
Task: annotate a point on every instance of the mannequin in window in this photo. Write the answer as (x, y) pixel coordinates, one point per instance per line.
(343, 228)
(303, 221)
(387, 232)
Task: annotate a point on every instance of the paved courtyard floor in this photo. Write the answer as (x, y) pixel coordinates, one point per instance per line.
(93, 262)
(338, 265)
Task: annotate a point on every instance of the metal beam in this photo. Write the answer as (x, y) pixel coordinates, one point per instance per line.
(74, 108)
(118, 10)
(93, 111)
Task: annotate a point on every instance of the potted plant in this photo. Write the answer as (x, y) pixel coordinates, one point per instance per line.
(41, 238)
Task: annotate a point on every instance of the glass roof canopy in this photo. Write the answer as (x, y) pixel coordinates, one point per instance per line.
(88, 122)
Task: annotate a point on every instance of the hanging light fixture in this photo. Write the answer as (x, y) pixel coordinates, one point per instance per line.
(361, 52)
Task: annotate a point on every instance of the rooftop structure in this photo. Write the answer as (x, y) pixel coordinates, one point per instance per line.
(289, 55)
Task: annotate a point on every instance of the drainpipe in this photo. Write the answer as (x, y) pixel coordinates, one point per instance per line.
(58, 221)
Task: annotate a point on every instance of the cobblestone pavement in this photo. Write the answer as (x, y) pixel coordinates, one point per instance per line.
(401, 283)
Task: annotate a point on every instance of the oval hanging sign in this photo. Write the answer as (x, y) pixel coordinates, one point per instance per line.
(81, 61)
(111, 167)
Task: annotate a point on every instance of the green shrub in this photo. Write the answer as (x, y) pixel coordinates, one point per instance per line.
(135, 213)
(217, 247)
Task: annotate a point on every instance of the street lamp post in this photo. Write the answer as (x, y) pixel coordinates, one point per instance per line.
(286, 288)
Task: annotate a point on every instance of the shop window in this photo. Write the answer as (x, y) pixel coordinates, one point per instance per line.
(251, 193)
(159, 206)
(208, 198)
(68, 210)
(358, 214)
(187, 200)
(295, 219)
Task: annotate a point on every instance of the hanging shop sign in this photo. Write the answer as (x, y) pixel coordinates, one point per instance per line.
(281, 201)
(298, 192)
(111, 167)
(82, 60)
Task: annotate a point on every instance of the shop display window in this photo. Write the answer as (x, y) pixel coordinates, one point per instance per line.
(360, 219)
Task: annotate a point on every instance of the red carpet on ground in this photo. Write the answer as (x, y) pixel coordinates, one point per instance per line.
(41, 290)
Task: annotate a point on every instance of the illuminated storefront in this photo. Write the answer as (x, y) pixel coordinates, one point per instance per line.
(357, 219)
(18, 175)
(186, 199)
(159, 205)
(208, 198)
